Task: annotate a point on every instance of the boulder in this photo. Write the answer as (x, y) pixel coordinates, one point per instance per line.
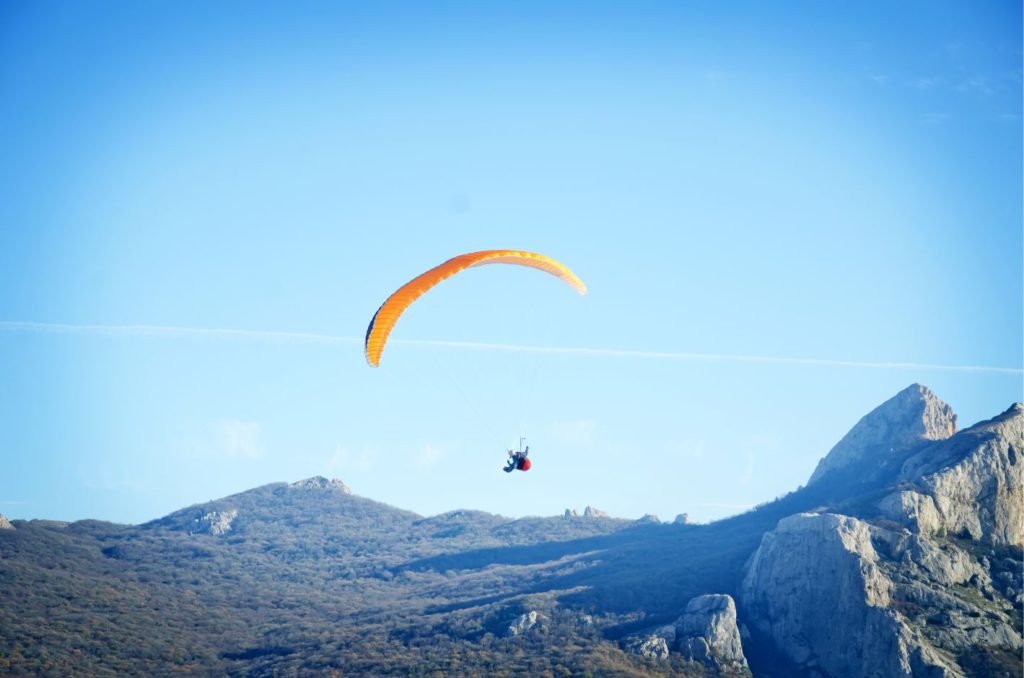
(706, 632)
(650, 646)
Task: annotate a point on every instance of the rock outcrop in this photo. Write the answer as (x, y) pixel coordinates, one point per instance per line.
(913, 415)
(321, 483)
(840, 596)
(969, 485)
(937, 592)
(214, 522)
(651, 646)
(5, 524)
(590, 512)
(524, 623)
(650, 519)
(815, 588)
(682, 519)
(571, 513)
(706, 632)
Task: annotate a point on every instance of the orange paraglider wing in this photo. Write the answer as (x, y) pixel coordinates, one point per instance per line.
(392, 309)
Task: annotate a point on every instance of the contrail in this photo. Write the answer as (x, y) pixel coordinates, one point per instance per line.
(706, 357)
(167, 331)
(311, 337)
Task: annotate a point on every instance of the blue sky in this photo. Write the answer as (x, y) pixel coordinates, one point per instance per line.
(787, 180)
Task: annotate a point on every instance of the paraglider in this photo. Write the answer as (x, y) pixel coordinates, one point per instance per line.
(384, 320)
(392, 309)
(518, 460)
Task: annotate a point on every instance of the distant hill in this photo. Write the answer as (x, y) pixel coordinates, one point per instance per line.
(911, 529)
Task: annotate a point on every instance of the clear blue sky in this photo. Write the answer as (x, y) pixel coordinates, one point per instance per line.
(813, 180)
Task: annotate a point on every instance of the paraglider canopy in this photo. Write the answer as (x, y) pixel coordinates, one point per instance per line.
(391, 310)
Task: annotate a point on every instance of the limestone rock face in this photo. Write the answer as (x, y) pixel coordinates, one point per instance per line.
(841, 597)
(649, 518)
(908, 418)
(321, 483)
(214, 522)
(524, 623)
(970, 484)
(571, 513)
(810, 569)
(651, 646)
(5, 524)
(915, 510)
(590, 512)
(707, 632)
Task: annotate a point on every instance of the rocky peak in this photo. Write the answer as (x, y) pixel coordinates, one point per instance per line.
(5, 524)
(571, 513)
(590, 512)
(321, 483)
(682, 519)
(913, 415)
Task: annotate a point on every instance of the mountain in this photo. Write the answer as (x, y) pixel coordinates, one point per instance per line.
(926, 580)
(912, 417)
(902, 556)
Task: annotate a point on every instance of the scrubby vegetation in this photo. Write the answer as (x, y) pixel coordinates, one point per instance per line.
(313, 581)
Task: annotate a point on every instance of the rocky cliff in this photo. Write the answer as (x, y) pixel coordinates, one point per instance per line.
(968, 485)
(815, 587)
(925, 580)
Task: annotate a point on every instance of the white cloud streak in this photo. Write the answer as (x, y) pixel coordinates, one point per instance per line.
(309, 337)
